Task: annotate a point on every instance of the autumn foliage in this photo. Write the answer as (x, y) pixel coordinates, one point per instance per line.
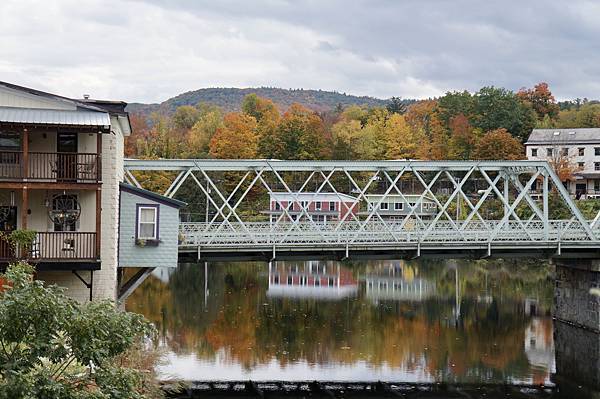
(489, 124)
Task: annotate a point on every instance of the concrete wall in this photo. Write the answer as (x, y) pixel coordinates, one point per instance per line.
(162, 255)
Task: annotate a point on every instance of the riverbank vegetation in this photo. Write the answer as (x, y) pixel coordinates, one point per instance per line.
(54, 347)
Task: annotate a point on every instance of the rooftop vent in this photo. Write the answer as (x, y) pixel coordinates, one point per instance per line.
(86, 96)
(556, 133)
(571, 132)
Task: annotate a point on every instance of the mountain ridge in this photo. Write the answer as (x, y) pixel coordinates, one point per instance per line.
(230, 99)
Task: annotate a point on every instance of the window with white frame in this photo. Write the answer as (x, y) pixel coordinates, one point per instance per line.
(332, 206)
(147, 228)
(398, 206)
(318, 205)
(534, 152)
(384, 206)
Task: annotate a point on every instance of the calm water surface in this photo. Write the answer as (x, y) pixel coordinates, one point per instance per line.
(475, 321)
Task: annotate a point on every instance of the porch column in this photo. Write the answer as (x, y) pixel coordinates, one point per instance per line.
(25, 153)
(24, 208)
(99, 157)
(98, 220)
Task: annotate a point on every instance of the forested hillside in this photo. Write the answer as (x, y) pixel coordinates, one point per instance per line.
(492, 123)
(230, 99)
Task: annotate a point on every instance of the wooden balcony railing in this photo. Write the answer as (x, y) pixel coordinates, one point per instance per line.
(55, 246)
(50, 166)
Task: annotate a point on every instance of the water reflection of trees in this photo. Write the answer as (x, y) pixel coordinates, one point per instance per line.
(482, 341)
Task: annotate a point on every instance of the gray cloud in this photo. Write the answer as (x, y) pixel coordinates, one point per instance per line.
(149, 50)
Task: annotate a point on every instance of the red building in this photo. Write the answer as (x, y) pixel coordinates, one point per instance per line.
(320, 207)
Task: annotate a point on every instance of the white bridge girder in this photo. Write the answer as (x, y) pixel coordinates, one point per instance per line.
(484, 206)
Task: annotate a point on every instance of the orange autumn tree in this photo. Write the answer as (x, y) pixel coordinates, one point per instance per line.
(463, 138)
(541, 100)
(237, 139)
(499, 144)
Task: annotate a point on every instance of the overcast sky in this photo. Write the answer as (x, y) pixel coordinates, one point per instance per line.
(148, 51)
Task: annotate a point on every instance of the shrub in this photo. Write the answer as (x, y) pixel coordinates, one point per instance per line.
(54, 347)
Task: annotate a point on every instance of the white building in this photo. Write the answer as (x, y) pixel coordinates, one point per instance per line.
(395, 207)
(61, 162)
(580, 147)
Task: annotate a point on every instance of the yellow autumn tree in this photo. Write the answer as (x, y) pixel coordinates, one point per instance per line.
(237, 139)
(402, 141)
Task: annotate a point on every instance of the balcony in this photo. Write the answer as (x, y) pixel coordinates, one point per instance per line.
(55, 247)
(16, 166)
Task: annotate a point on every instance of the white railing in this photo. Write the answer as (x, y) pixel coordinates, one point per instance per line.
(352, 233)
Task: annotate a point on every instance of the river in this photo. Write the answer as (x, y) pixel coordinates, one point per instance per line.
(418, 321)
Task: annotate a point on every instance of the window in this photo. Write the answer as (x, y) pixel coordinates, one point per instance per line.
(65, 212)
(318, 205)
(277, 206)
(549, 152)
(290, 280)
(581, 151)
(332, 206)
(534, 152)
(597, 186)
(11, 143)
(276, 279)
(398, 206)
(330, 282)
(384, 206)
(580, 165)
(565, 152)
(596, 165)
(304, 204)
(147, 222)
(596, 150)
(317, 282)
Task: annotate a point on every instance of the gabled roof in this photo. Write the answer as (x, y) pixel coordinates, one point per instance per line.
(140, 192)
(54, 117)
(564, 136)
(78, 112)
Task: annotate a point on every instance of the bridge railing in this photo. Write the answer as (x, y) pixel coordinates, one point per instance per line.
(378, 233)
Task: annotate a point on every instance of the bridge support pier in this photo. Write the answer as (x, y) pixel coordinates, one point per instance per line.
(577, 321)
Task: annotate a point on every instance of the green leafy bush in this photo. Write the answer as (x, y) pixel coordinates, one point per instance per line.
(54, 347)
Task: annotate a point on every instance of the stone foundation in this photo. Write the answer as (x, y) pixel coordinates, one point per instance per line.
(573, 301)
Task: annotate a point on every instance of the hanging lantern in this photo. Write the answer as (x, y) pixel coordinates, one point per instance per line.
(64, 210)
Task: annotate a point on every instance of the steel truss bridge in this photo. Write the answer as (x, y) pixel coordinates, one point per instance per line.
(479, 209)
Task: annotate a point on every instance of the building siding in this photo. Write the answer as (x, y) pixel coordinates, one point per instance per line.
(162, 255)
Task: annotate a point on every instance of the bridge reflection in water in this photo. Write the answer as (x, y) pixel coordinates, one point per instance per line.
(473, 322)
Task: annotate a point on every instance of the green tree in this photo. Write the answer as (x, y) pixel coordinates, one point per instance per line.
(53, 347)
(455, 103)
(185, 117)
(498, 108)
